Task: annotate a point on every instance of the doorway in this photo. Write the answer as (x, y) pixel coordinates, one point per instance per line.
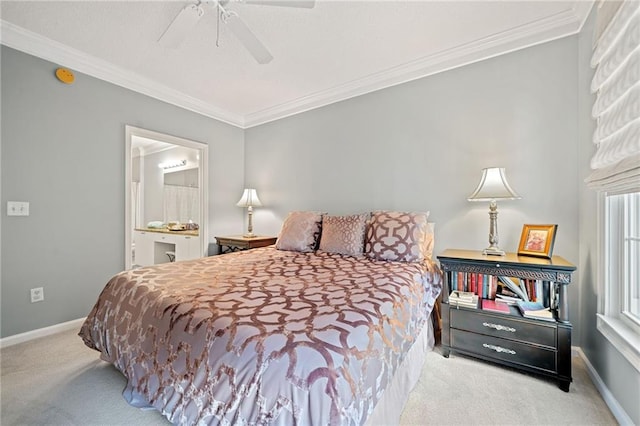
(166, 179)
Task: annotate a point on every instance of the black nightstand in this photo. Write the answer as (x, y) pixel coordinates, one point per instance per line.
(533, 345)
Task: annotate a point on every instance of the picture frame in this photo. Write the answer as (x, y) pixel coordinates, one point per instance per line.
(537, 240)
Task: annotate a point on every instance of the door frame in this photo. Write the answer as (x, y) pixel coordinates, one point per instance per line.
(203, 184)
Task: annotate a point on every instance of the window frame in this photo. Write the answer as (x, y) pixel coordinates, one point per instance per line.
(622, 332)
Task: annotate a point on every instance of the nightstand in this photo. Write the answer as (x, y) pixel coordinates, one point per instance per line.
(238, 242)
(532, 345)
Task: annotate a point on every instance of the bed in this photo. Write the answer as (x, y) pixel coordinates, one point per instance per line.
(286, 334)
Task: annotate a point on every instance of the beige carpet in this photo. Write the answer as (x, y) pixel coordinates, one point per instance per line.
(56, 380)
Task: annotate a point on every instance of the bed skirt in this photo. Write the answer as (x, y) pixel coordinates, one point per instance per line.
(390, 407)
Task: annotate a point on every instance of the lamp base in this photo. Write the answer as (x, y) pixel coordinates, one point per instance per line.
(249, 235)
(493, 251)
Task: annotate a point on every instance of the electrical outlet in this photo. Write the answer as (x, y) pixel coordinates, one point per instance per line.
(37, 294)
(17, 208)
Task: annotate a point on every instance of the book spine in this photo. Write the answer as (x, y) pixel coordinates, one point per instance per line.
(539, 291)
(553, 291)
(488, 279)
(546, 296)
(525, 290)
(493, 286)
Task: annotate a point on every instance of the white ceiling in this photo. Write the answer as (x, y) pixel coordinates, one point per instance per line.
(336, 50)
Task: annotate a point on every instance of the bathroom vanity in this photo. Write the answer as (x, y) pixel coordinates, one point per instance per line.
(153, 246)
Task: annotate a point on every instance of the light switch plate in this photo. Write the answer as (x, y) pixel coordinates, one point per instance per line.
(17, 208)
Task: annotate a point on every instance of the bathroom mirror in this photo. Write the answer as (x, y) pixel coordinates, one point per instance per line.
(165, 198)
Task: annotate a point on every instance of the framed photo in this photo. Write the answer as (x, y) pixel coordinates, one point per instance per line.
(537, 240)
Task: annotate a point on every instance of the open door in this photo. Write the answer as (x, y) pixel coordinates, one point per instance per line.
(166, 198)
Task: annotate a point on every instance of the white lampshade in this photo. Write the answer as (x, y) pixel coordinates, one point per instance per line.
(249, 199)
(493, 186)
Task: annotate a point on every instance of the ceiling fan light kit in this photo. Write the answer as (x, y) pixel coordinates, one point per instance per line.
(190, 15)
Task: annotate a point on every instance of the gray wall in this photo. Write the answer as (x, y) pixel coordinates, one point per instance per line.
(63, 151)
(422, 145)
(620, 377)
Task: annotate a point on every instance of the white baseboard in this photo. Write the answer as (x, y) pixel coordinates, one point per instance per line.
(618, 412)
(41, 332)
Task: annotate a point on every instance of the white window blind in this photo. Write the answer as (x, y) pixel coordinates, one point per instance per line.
(616, 82)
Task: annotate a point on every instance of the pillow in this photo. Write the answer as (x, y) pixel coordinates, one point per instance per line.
(300, 231)
(397, 236)
(343, 234)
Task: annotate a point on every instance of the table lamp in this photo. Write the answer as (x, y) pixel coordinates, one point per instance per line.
(249, 200)
(493, 186)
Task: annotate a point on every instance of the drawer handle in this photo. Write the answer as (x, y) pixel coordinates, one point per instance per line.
(499, 327)
(499, 349)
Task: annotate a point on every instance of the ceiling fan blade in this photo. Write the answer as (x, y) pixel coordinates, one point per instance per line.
(177, 31)
(248, 38)
(308, 4)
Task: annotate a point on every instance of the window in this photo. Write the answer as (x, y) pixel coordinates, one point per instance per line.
(622, 257)
(619, 313)
(631, 264)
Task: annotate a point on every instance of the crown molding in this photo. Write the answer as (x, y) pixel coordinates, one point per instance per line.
(582, 9)
(560, 25)
(557, 26)
(34, 44)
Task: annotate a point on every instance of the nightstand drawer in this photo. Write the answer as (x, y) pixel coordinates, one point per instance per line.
(504, 350)
(502, 326)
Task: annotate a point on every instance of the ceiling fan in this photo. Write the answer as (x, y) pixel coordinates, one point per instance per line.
(189, 16)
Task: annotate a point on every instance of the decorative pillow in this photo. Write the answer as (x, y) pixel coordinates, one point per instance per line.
(398, 236)
(300, 232)
(343, 234)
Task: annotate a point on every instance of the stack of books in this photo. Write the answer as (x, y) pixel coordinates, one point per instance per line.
(535, 310)
(465, 299)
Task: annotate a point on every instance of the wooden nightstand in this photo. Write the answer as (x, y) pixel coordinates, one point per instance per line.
(238, 242)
